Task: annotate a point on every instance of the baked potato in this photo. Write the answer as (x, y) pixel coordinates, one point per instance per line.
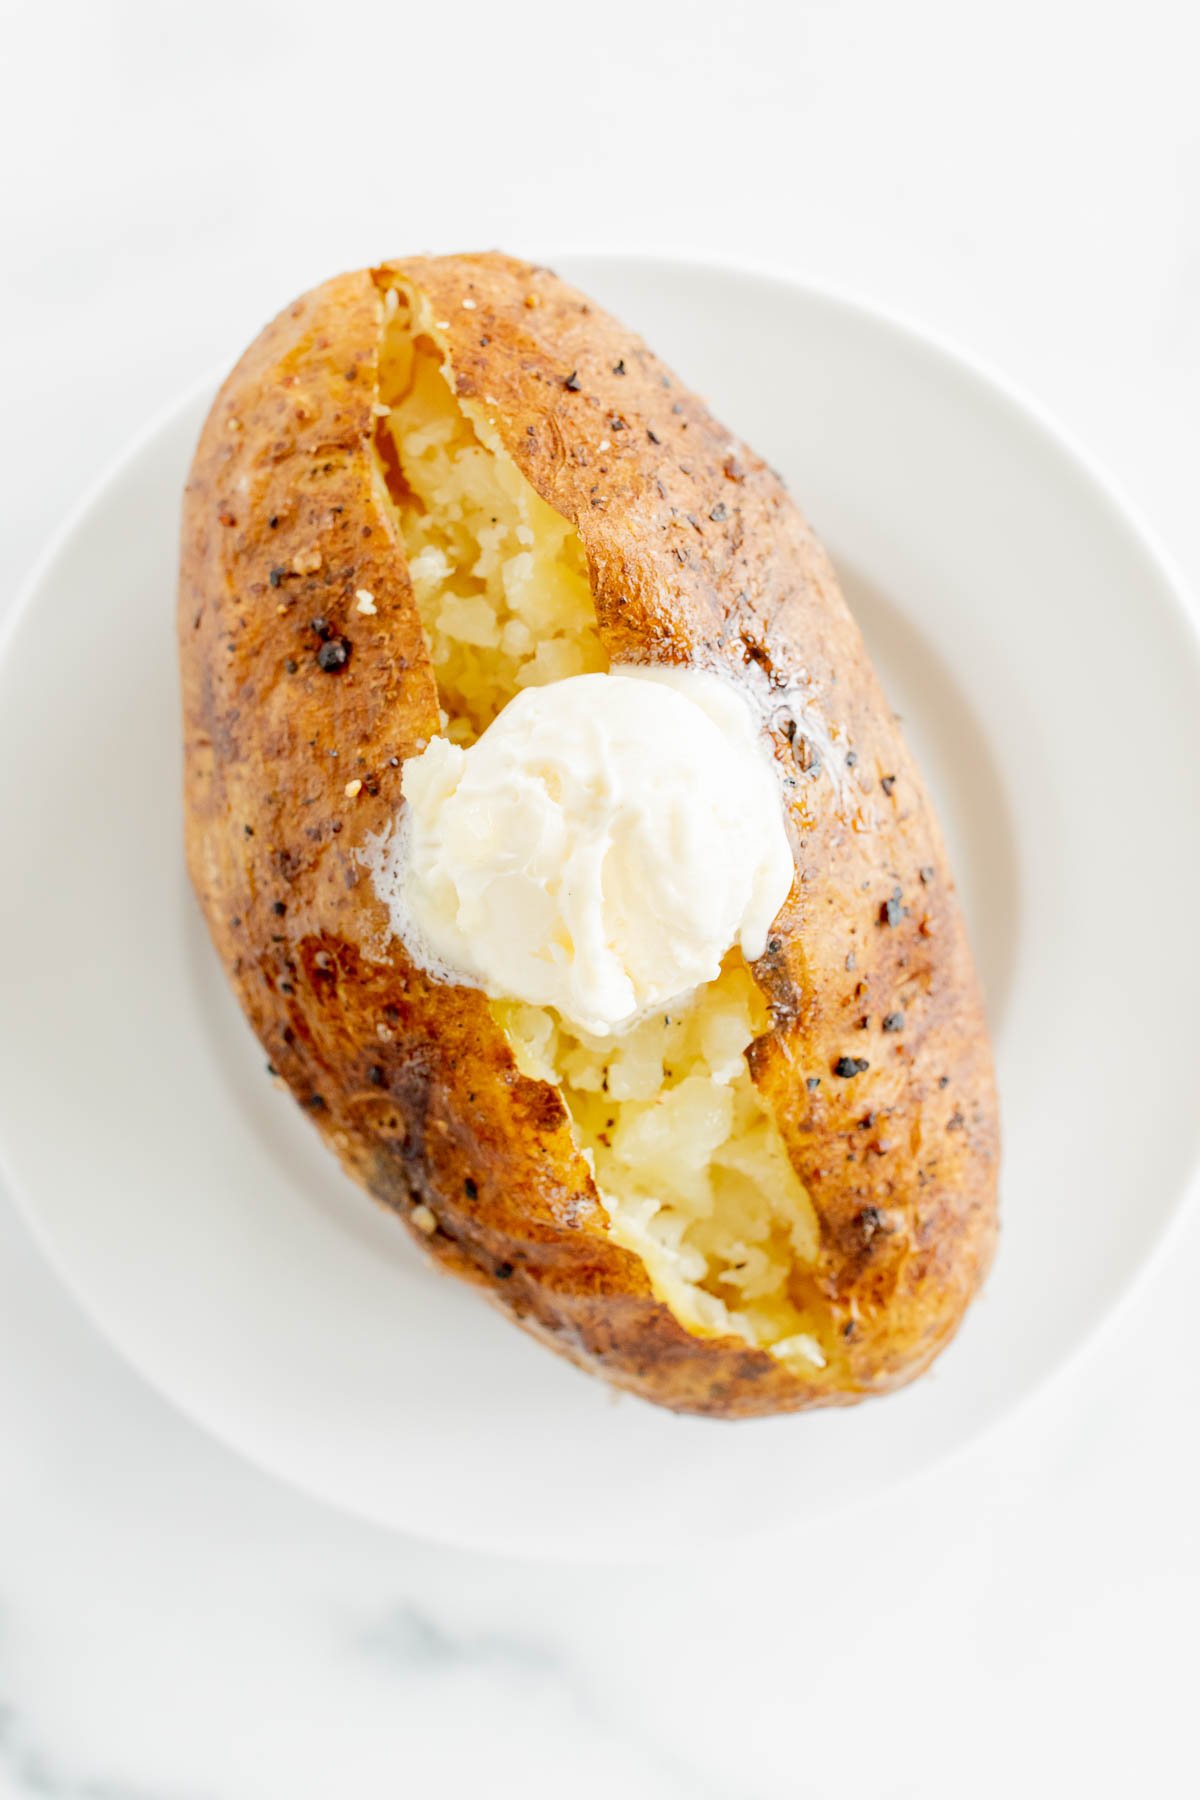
(424, 487)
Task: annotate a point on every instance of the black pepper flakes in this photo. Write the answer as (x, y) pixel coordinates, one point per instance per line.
(321, 626)
(273, 521)
(375, 1075)
(277, 575)
(926, 875)
(279, 907)
(943, 1081)
(471, 1188)
(720, 511)
(851, 758)
(653, 436)
(503, 1271)
(813, 1083)
(291, 665)
(572, 382)
(333, 656)
(892, 910)
(888, 784)
(849, 1066)
(893, 1021)
(616, 423)
(619, 367)
(807, 756)
(870, 1220)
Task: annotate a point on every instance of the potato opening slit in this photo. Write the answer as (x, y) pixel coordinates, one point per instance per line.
(687, 1157)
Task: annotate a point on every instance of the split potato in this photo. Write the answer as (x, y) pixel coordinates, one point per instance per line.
(424, 487)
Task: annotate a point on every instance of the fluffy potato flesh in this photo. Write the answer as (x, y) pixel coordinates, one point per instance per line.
(687, 1156)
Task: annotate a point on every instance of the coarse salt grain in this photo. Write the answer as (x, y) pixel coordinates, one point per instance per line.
(364, 600)
(352, 789)
(380, 410)
(469, 305)
(424, 1220)
(604, 444)
(307, 562)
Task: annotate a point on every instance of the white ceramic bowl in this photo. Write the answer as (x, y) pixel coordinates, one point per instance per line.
(1041, 654)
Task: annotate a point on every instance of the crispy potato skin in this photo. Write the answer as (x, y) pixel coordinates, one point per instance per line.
(697, 554)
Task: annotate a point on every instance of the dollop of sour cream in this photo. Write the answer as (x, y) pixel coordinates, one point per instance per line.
(598, 849)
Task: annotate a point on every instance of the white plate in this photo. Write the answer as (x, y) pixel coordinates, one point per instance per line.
(1044, 662)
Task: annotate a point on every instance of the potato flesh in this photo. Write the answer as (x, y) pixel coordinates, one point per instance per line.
(686, 1154)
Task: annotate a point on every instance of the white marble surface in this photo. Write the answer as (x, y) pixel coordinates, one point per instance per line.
(1026, 180)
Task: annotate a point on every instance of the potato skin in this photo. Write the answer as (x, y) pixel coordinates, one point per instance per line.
(696, 554)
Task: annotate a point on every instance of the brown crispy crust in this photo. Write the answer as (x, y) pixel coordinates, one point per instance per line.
(696, 554)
